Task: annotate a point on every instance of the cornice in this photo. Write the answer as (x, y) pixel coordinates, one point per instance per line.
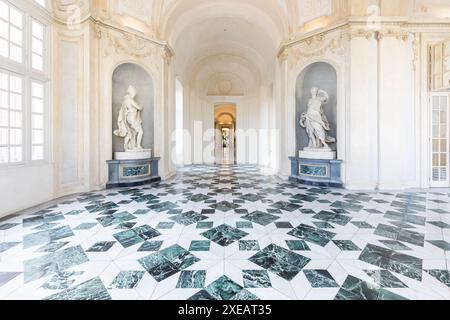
(399, 28)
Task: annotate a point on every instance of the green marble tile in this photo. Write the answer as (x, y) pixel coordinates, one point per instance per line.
(188, 218)
(332, 217)
(249, 245)
(85, 226)
(89, 290)
(53, 263)
(395, 245)
(261, 218)
(127, 280)
(224, 235)
(313, 235)
(192, 279)
(400, 234)
(320, 279)
(346, 245)
(52, 247)
(441, 275)
(102, 246)
(165, 225)
(7, 226)
(150, 246)
(61, 281)
(200, 246)
(444, 245)
(297, 245)
(323, 225)
(244, 225)
(408, 266)
(385, 279)
(244, 295)
(356, 289)
(223, 288)
(205, 225)
(256, 279)
(5, 246)
(280, 261)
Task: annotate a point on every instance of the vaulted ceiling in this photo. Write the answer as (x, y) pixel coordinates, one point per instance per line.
(246, 32)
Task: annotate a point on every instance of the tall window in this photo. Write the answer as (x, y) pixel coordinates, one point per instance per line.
(23, 81)
(37, 45)
(11, 32)
(11, 118)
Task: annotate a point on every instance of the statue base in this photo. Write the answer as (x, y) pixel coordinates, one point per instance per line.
(133, 155)
(312, 153)
(316, 172)
(132, 173)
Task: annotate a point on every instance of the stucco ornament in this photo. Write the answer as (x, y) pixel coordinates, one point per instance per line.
(316, 123)
(130, 122)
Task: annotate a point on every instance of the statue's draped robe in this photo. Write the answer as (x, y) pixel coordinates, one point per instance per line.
(122, 122)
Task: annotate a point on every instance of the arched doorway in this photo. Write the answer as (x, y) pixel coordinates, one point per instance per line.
(225, 140)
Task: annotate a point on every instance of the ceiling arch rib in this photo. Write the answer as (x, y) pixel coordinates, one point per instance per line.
(267, 14)
(212, 71)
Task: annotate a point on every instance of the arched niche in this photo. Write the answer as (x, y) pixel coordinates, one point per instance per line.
(323, 76)
(123, 76)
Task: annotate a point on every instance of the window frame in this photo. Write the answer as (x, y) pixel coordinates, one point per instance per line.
(32, 11)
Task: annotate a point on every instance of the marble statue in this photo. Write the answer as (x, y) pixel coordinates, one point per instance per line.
(316, 123)
(130, 122)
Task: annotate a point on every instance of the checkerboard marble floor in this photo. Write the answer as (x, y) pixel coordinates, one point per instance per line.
(232, 233)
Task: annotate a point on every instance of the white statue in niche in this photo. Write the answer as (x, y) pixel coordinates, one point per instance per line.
(130, 122)
(316, 123)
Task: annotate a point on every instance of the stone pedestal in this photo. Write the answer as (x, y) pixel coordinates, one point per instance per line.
(316, 172)
(131, 173)
(133, 155)
(311, 153)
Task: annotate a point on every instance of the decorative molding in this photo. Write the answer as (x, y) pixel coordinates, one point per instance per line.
(317, 46)
(71, 12)
(416, 49)
(358, 33)
(129, 44)
(309, 10)
(399, 34)
(167, 54)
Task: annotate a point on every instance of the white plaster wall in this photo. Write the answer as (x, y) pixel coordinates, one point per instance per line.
(362, 160)
(71, 110)
(397, 115)
(25, 186)
(69, 115)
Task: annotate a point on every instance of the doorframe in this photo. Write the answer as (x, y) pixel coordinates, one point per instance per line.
(446, 183)
(234, 128)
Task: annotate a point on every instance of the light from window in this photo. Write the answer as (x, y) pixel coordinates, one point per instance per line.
(37, 121)
(11, 33)
(11, 118)
(40, 2)
(37, 46)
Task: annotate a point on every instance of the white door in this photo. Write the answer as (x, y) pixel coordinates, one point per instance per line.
(439, 139)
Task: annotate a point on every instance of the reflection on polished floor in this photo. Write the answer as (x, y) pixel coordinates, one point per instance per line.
(229, 232)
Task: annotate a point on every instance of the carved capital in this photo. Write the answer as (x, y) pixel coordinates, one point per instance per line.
(283, 54)
(166, 54)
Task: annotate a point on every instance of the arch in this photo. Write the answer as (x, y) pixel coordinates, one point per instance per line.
(324, 76)
(260, 12)
(150, 71)
(124, 75)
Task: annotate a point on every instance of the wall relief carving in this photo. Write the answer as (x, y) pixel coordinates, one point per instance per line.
(309, 10)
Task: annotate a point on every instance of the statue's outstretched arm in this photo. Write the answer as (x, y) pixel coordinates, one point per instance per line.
(136, 105)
